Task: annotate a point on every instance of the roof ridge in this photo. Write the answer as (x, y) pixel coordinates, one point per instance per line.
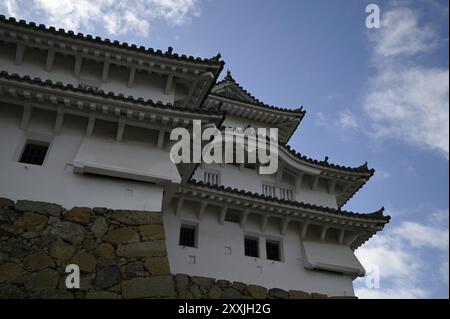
(374, 215)
(120, 96)
(215, 60)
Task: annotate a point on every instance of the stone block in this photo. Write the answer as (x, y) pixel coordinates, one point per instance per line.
(38, 261)
(68, 231)
(45, 279)
(123, 235)
(158, 266)
(144, 287)
(105, 250)
(43, 208)
(85, 261)
(79, 215)
(61, 251)
(137, 218)
(152, 232)
(155, 248)
(11, 273)
(257, 292)
(107, 277)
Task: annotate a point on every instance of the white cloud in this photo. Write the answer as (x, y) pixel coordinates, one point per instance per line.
(348, 120)
(399, 254)
(401, 34)
(407, 101)
(116, 17)
(411, 105)
(422, 236)
(443, 270)
(10, 6)
(403, 293)
(393, 262)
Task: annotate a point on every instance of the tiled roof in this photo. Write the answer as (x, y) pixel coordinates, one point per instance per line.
(123, 45)
(228, 79)
(377, 215)
(100, 93)
(363, 169)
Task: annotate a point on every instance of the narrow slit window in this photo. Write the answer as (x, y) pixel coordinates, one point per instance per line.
(273, 250)
(251, 247)
(269, 190)
(187, 236)
(286, 193)
(211, 178)
(34, 153)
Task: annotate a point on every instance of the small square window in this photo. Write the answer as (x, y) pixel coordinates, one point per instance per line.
(273, 250)
(251, 247)
(34, 153)
(187, 236)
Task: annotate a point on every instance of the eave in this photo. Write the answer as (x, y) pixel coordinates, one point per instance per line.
(110, 45)
(65, 99)
(351, 178)
(196, 74)
(363, 226)
(285, 120)
(343, 181)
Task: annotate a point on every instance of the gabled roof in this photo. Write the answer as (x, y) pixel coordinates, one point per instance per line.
(214, 61)
(230, 89)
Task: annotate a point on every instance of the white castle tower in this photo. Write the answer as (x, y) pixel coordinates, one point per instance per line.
(85, 121)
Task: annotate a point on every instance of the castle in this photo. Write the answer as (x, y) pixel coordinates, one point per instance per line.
(86, 121)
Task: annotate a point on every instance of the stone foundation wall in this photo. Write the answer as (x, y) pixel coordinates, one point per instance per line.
(121, 254)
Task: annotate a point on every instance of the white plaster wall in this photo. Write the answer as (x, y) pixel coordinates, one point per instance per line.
(146, 86)
(251, 180)
(55, 180)
(216, 240)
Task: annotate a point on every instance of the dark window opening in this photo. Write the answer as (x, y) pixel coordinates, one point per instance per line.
(233, 216)
(187, 236)
(251, 247)
(273, 250)
(34, 153)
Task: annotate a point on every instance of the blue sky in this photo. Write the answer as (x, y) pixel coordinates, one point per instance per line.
(376, 95)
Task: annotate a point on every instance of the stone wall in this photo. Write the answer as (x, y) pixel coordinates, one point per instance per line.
(193, 287)
(121, 254)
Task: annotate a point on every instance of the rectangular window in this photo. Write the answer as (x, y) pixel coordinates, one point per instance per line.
(34, 153)
(273, 250)
(211, 178)
(187, 236)
(285, 193)
(269, 190)
(251, 247)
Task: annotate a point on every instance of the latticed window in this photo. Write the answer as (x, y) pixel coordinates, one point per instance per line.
(269, 190)
(187, 236)
(251, 247)
(273, 250)
(34, 153)
(211, 178)
(285, 193)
